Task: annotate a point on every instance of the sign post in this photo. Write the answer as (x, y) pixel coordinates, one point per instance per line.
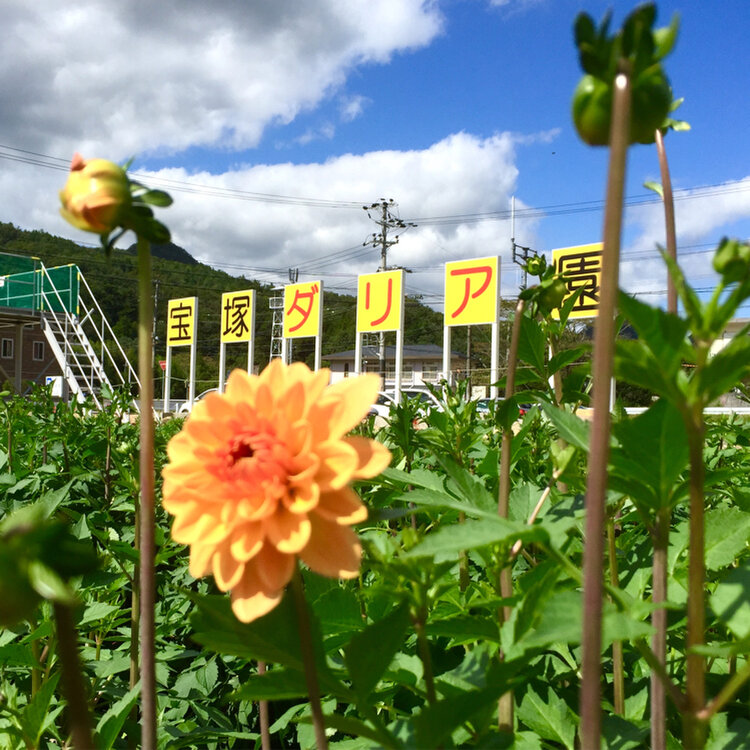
(303, 314)
(472, 297)
(181, 331)
(380, 308)
(237, 326)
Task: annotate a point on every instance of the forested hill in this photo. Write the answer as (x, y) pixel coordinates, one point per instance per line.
(177, 274)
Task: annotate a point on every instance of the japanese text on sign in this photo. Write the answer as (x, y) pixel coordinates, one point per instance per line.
(581, 267)
(181, 321)
(379, 301)
(302, 309)
(236, 316)
(471, 291)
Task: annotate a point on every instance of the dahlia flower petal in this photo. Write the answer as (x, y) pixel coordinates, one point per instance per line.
(338, 462)
(333, 550)
(250, 600)
(200, 559)
(373, 456)
(227, 570)
(240, 387)
(302, 498)
(288, 532)
(355, 396)
(273, 568)
(343, 507)
(246, 541)
(197, 526)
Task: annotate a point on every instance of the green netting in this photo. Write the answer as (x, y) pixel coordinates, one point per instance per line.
(54, 289)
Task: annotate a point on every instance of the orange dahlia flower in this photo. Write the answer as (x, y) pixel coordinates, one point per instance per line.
(259, 476)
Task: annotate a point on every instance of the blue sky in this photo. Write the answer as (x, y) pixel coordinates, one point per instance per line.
(448, 107)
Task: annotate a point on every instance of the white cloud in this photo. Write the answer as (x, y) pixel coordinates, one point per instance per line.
(133, 77)
(461, 174)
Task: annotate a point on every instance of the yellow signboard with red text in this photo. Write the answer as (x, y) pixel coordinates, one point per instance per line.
(302, 309)
(471, 291)
(380, 299)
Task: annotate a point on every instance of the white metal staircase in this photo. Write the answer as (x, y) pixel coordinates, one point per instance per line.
(83, 342)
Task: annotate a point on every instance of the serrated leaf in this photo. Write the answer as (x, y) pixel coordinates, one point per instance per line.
(367, 664)
(731, 600)
(33, 717)
(474, 534)
(532, 345)
(727, 535)
(551, 718)
(110, 724)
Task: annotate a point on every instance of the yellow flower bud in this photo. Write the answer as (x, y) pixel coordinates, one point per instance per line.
(96, 196)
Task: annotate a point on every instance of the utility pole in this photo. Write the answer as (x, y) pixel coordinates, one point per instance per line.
(387, 222)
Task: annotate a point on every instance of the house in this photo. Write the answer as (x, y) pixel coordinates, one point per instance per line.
(25, 354)
(422, 363)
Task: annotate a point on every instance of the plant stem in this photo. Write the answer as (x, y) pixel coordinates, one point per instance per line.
(694, 729)
(418, 620)
(147, 544)
(661, 529)
(618, 670)
(659, 622)
(669, 217)
(505, 702)
(265, 736)
(308, 659)
(602, 367)
(732, 685)
(72, 680)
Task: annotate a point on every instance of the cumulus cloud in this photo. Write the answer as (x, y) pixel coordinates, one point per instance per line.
(139, 77)
(462, 174)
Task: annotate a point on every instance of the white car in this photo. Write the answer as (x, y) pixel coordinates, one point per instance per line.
(185, 408)
(382, 406)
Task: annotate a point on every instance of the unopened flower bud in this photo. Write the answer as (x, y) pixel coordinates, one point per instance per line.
(96, 196)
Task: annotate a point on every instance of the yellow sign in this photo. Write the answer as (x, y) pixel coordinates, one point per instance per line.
(237, 311)
(471, 291)
(581, 267)
(302, 309)
(379, 301)
(181, 321)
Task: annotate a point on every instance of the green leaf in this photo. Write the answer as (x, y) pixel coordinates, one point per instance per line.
(532, 345)
(731, 600)
(110, 724)
(366, 664)
(96, 611)
(276, 684)
(474, 534)
(652, 451)
(656, 187)
(727, 535)
(442, 501)
(551, 718)
(571, 428)
(725, 368)
(33, 718)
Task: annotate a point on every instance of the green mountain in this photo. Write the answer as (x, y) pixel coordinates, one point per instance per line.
(176, 273)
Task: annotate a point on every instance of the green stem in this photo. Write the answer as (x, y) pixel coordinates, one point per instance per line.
(418, 620)
(732, 685)
(505, 583)
(72, 679)
(694, 729)
(618, 670)
(265, 735)
(658, 696)
(308, 659)
(602, 368)
(147, 543)
(669, 218)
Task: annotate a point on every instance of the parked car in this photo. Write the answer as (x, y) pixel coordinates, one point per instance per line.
(485, 405)
(382, 406)
(185, 408)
